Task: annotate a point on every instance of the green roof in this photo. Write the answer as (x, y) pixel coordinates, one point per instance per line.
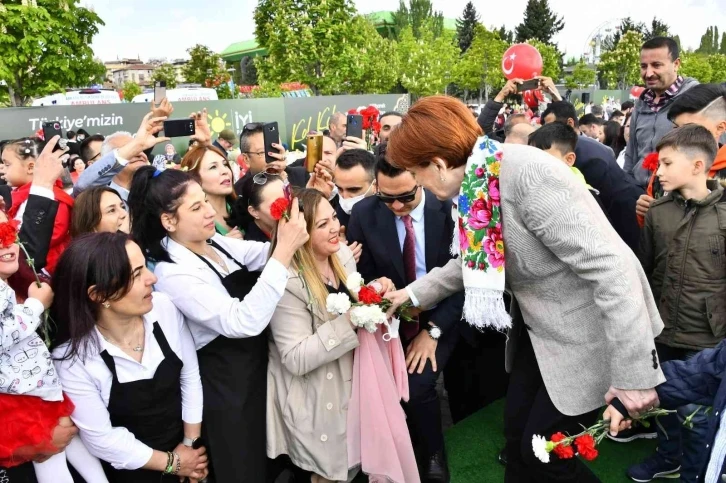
(237, 50)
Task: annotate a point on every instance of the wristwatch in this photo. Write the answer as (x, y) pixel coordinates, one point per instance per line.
(434, 331)
(191, 442)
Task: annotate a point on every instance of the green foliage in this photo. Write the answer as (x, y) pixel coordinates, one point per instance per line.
(571, 62)
(551, 59)
(427, 64)
(582, 76)
(657, 29)
(480, 67)
(718, 68)
(131, 89)
(506, 35)
(203, 64)
(267, 89)
(46, 48)
(419, 15)
(697, 66)
(465, 27)
(165, 73)
(324, 45)
(710, 42)
(540, 22)
(620, 67)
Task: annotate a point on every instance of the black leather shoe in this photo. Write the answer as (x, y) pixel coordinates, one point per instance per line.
(502, 457)
(436, 469)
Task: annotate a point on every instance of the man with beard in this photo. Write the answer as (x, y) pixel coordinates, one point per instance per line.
(659, 64)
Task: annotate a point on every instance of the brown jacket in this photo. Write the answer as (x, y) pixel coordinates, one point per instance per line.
(683, 252)
(309, 381)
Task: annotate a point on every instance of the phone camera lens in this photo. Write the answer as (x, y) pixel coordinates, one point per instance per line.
(56, 126)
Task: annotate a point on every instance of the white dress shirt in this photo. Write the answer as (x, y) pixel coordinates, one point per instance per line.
(417, 216)
(198, 292)
(88, 382)
(718, 453)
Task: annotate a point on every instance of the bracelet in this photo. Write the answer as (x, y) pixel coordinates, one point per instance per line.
(178, 463)
(169, 463)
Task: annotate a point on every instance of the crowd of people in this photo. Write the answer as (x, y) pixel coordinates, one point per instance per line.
(166, 318)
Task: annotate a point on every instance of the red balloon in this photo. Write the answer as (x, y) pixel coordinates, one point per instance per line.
(522, 61)
(636, 91)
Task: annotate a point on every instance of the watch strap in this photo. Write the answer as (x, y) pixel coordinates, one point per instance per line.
(189, 441)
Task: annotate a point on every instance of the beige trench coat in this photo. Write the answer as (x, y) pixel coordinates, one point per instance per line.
(309, 381)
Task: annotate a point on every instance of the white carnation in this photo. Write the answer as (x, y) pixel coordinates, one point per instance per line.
(354, 282)
(337, 303)
(368, 316)
(539, 446)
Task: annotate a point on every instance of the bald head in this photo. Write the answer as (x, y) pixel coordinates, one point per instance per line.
(337, 127)
(519, 134)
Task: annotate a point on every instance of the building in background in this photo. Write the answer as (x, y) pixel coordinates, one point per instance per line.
(138, 73)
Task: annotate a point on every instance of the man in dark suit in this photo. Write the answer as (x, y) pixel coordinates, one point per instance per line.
(618, 190)
(405, 232)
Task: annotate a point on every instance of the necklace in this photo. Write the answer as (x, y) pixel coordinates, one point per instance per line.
(137, 348)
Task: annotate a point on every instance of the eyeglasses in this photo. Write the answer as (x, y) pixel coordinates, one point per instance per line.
(258, 153)
(96, 156)
(262, 177)
(404, 198)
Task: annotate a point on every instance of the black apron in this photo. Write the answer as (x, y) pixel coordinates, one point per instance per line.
(151, 409)
(234, 381)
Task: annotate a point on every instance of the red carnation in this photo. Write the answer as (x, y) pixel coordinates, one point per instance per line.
(376, 127)
(369, 296)
(563, 452)
(586, 447)
(8, 233)
(278, 209)
(353, 111)
(651, 162)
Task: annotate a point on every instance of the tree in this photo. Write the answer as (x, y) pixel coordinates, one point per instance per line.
(203, 65)
(465, 26)
(506, 35)
(551, 59)
(131, 89)
(582, 76)
(248, 71)
(658, 28)
(165, 73)
(480, 68)
(626, 25)
(718, 68)
(697, 66)
(46, 46)
(722, 50)
(419, 14)
(540, 22)
(427, 64)
(324, 45)
(620, 67)
(709, 42)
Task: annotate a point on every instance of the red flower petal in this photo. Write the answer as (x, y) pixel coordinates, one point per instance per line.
(8, 233)
(279, 208)
(651, 162)
(369, 296)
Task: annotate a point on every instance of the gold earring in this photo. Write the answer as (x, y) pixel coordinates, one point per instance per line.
(106, 305)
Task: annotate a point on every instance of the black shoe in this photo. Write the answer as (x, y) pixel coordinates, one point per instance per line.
(436, 469)
(502, 457)
(638, 432)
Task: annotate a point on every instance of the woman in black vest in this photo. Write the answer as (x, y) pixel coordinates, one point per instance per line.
(129, 364)
(228, 290)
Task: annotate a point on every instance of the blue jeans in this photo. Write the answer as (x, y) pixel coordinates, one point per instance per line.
(679, 443)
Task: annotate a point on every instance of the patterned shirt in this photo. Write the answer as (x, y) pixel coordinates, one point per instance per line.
(649, 95)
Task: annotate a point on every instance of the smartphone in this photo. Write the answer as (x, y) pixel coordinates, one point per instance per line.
(314, 152)
(177, 128)
(54, 128)
(354, 127)
(159, 91)
(528, 85)
(271, 135)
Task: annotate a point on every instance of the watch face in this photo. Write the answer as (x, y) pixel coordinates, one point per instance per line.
(435, 332)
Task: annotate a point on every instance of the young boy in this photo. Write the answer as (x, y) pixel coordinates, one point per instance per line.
(560, 140)
(683, 253)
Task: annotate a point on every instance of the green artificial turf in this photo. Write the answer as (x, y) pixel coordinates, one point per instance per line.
(474, 443)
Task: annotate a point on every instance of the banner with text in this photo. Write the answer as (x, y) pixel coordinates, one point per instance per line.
(295, 116)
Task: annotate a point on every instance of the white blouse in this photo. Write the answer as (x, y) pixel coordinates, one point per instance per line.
(198, 292)
(88, 384)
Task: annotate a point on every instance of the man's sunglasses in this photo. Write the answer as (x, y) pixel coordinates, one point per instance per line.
(252, 126)
(404, 198)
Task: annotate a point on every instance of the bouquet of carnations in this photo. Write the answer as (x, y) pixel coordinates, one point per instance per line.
(584, 443)
(371, 125)
(370, 310)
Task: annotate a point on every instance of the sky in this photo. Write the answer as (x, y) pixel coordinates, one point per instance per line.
(166, 28)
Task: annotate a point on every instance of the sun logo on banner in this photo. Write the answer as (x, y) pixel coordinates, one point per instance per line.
(218, 122)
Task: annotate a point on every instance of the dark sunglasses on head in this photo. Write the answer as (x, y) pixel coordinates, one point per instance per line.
(252, 126)
(404, 198)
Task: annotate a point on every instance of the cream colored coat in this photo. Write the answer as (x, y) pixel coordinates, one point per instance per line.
(309, 381)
